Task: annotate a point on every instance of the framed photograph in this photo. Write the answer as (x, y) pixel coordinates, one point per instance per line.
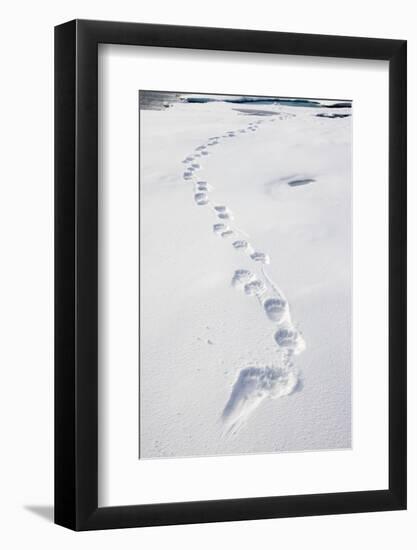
(230, 252)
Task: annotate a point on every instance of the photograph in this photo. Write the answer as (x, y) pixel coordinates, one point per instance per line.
(245, 251)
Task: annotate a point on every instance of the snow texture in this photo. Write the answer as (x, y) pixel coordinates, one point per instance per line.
(229, 362)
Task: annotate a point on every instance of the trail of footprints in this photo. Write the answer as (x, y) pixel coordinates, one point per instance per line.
(274, 305)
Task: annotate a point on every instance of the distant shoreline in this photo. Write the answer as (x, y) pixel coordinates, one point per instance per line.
(160, 100)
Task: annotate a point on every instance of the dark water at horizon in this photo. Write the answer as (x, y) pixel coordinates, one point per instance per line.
(160, 100)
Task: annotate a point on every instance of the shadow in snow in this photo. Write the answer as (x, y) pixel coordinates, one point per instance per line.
(296, 183)
(255, 112)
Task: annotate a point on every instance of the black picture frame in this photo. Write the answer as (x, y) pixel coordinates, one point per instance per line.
(76, 273)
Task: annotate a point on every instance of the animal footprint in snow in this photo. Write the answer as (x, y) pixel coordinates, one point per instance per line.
(290, 340)
(223, 213)
(252, 385)
(204, 153)
(227, 233)
(187, 175)
(255, 288)
(276, 309)
(195, 166)
(201, 199)
(200, 148)
(219, 228)
(203, 187)
(260, 257)
(240, 245)
(241, 277)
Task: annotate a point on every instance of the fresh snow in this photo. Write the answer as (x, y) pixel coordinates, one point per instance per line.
(245, 237)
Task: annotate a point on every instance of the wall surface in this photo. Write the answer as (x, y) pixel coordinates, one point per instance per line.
(26, 290)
